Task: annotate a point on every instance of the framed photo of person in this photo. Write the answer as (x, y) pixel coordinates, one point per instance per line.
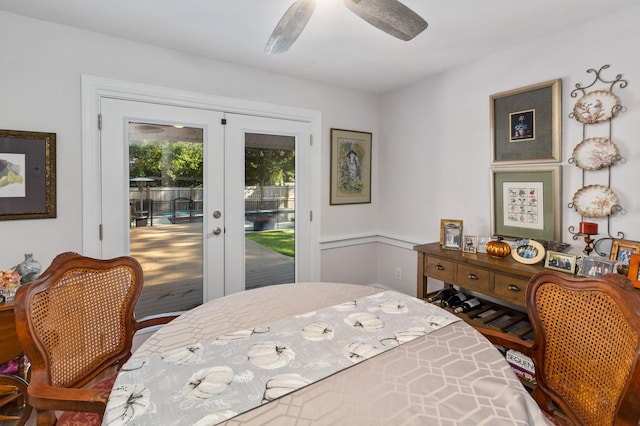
(562, 262)
(621, 251)
(470, 244)
(596, 267)
(482, 243)
(451, 234)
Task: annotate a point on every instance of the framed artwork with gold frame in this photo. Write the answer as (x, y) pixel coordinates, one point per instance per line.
(526, 124)
(350, 167)
(451, 234)
(27, 175)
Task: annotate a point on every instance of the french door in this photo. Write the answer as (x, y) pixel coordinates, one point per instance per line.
(203, 229)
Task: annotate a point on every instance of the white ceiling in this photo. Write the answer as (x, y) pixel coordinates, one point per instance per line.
(336, 46)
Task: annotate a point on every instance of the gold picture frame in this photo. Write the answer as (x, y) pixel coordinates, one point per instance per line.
(563, 262)
(350, 167)
(526, 124)
(622, 250)
(451, 234)
(27, 175)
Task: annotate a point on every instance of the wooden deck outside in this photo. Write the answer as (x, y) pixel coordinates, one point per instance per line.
(171, 257)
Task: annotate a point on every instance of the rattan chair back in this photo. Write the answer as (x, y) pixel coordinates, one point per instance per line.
(74, 322)
(587, 346)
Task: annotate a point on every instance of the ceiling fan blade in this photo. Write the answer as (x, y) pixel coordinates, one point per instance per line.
(290, 26)
(390, 16)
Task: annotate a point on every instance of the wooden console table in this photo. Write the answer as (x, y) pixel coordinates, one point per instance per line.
(12, 388)
(501, 279)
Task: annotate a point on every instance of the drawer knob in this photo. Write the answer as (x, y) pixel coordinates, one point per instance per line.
(472, 276)
(513, 287)
(439, 267)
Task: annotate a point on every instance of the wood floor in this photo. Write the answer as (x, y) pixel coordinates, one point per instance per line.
(171, 257)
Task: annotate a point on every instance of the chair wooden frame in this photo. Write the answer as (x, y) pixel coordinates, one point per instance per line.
(70, 276)
(615, 290)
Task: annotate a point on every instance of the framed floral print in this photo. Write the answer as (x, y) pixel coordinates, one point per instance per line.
(350, 167)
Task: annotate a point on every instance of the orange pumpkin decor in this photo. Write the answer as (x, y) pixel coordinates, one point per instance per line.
(498, 248)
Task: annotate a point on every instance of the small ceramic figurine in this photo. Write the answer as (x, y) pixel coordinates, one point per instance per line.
(29, 269)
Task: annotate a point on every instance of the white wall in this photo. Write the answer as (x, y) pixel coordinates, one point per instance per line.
(435, 159)
(40, 69)
(430, 150)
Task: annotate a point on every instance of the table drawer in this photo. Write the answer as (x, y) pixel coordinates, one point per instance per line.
(510, 288)
(473, 278)
(439, 269)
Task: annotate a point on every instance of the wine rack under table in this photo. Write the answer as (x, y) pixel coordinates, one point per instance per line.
(499, 279)
(495, 316)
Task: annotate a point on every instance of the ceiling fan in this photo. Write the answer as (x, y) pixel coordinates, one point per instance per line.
(390, 16)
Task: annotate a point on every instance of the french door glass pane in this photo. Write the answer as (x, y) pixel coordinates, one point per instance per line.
(269, 209)
(166, 207)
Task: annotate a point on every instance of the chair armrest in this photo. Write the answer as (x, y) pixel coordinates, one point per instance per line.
(154, 320)
(507, 340)
(45, 397)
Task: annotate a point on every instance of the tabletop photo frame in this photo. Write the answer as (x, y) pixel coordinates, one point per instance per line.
(27, 175)
(634, 270)
(451, 234)
(350, 167)
(526, 124)
(526, 202)
(622, 250)
(563, 262)
(596, 267)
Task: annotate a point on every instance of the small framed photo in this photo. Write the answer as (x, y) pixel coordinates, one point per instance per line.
(482, 243)
(634, 270)
(470, 244)
(562, 262)
(621, 251)
(528, 252)
(596, 267)
(451, 234)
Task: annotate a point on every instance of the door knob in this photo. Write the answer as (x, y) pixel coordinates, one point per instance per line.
(217, 230)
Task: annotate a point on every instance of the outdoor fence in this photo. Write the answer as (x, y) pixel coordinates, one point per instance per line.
(266, 207)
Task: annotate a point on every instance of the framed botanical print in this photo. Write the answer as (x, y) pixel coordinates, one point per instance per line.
(526, 202)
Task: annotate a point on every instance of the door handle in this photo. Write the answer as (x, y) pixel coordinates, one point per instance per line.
(216, 231)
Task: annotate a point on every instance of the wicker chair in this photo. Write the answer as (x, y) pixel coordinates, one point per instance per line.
(587, 348)
(75, 323)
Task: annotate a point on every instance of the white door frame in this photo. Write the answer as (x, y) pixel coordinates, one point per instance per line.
(95, 88)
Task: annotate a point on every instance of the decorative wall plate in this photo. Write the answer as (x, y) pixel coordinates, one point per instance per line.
(595, 107)
(595, 154)
(594, 201)
(528, 251)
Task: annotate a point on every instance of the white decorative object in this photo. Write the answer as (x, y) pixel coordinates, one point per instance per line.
(595, 107)
(595, 201)
(595, 154)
